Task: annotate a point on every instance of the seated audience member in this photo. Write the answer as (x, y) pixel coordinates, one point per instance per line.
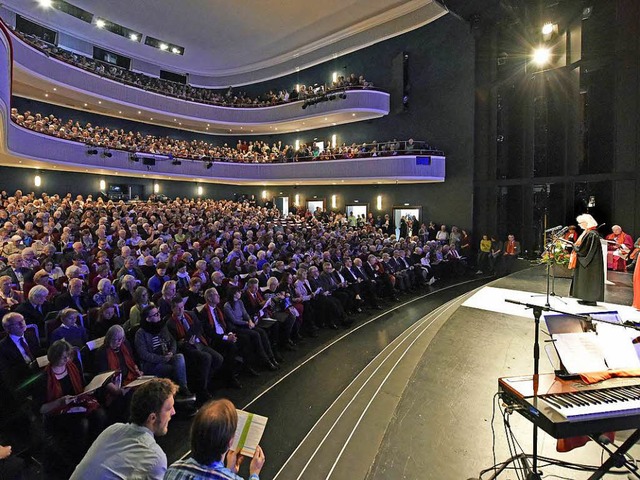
(129, 450)
(116, 354)
(257, 308)
(141, 299)
(70, 330)
(74, 297)
(74, 418)
(236, 315)
(202, 361)
(157, 281)
(222, 338)
(16, 270)
(127, 287)
(44, 278)
(106, 317)
(193, 294)
(181, 277)
(10, 297)
(36, 307)
(158, 350)
(17, 351)
(212, 433)
(164, 302)
(106, 293)
(11, 467)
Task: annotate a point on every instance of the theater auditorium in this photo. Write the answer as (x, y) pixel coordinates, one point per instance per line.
(359, 222)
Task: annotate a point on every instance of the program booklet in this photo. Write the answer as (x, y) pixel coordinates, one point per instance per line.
(249, 433)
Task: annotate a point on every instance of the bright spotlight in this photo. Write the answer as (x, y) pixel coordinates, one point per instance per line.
(175, 50)
(547, 29)
(164, 46)
(45, 3)
(100, 23)
(541, 56)
(133, 37)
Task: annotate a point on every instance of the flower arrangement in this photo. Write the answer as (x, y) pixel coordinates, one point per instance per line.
(556, 255)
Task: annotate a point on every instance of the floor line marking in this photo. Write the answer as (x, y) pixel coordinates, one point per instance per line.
(420, 297)
(433, 316)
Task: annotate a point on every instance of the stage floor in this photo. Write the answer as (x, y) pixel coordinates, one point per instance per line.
(410, 393)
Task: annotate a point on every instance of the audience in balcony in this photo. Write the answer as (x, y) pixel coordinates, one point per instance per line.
(228, 98)
(254, 151)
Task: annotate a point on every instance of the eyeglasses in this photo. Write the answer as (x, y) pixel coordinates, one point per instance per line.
(155, 314)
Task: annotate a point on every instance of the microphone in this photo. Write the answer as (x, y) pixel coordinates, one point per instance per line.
(562, 232)
(557, 227)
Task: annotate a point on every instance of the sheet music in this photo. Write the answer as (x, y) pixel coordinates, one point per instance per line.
(140, 380)
(98, 381)
(580, 352)
(249, 432)
(617, 348)
(95, 344)
(43, 361)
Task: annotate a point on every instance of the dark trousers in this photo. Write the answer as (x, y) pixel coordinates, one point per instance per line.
(202, 362)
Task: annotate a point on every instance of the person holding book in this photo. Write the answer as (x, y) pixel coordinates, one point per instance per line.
(69, 330)
(588, 263)
(212, 435)
(74, 418)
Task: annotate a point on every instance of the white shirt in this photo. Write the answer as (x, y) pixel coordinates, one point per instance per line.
(124, 451)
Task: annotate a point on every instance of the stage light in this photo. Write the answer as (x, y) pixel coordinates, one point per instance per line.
(134, 37)
(175, 50)
(547, 29)
(37, 181)
(45, 3)
(100, 23)
(541, 56)
(164, 46)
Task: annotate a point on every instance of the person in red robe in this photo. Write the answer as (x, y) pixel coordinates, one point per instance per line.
(619, 250)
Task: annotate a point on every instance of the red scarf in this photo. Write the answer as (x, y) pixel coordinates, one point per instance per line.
(54, 389)
(113, 360)
(182, 333)
(212, 322)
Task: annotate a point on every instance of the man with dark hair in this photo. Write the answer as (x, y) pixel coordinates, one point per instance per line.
(212, 435)
(129, 450)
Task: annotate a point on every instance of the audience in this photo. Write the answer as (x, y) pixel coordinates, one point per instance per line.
(255, 151)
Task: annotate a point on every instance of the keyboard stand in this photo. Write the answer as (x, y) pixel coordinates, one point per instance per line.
(617, 457)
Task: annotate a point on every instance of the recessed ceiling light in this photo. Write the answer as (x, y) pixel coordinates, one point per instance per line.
(353, 114)
(151, 118)
(99, 102)
(86, 105)
(175, 50)
(163, 46)
(179, 123)
(208, 125)
(55, 89)
(120, 112)
(139, 112)
(133, 37)
(46, 94)
(100, 23)
(45, 3)
(325, 119)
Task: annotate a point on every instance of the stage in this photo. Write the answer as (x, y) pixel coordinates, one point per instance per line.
(410, 392)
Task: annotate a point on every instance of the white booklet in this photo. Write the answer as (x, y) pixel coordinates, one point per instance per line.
(249, 433)
(140, 381)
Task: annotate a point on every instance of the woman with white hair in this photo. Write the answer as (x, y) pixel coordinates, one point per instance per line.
(588, 263)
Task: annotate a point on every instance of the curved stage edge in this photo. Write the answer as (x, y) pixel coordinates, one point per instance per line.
(409, 393)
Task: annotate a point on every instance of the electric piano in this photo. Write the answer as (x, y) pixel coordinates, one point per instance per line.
(568, 408)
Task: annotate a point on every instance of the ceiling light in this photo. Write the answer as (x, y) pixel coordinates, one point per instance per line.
(133, 37)
(55, 89)
(45, 3)
(46, 94)
(139, 112)
(547, 29)
(86, 105)
(100, 23)
(99, 102)
(541, 56)
(175, 50)
(164, 46)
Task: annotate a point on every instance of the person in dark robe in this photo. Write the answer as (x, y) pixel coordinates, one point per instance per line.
(588, 274)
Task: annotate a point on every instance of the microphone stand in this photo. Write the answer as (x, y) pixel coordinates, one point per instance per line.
(534, 474)
(549, 249)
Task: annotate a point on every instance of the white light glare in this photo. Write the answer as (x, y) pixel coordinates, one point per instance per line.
(37, 181)
(547, 29)
(133, 37)
(100, 23)
(541, 56)
(45, 3)
(175, 50)
(163, 46)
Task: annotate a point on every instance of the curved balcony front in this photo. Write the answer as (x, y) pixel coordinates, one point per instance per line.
(30, 149)
(36, 74)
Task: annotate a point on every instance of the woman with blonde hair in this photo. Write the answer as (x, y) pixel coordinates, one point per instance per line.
(587, 263)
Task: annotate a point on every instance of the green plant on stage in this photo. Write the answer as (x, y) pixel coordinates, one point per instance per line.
(555, 255)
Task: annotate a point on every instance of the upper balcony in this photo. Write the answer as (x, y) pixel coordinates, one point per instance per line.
(42, 77)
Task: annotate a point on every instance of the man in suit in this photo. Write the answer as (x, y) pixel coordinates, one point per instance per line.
(329, 306)
(18, 352)
(360, 285)
(16, 270)
(35, 308)
(75, 298)
(381, 280)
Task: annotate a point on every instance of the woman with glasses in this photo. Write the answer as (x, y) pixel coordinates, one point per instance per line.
(157, 349)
